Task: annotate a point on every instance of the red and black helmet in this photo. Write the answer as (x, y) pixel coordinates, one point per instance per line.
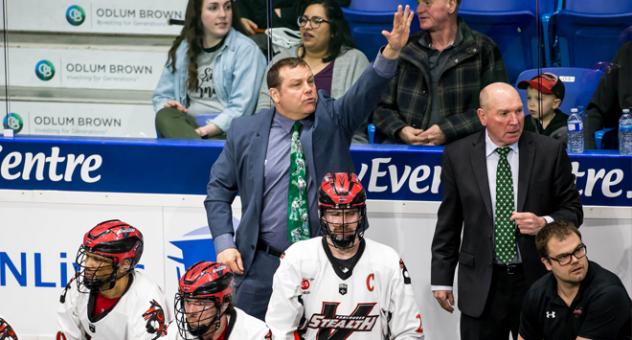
(203, 281)
(114, 240)
(341, 191)
(207, 280)
(6, 332)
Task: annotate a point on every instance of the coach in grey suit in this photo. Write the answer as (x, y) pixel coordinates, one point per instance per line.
(255, 163)
(489, 290)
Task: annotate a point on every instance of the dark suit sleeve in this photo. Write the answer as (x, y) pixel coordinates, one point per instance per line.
(355, 106)
(447, 237)
(569, 208)
(221, 191)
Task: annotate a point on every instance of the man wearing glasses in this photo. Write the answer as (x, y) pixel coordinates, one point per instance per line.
(578, 299)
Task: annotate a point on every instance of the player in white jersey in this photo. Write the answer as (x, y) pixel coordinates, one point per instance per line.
(107, 298)
(342, 285)
(204, 309)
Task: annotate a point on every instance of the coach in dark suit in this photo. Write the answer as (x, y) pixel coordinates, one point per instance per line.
(501, 186)
(256, 164)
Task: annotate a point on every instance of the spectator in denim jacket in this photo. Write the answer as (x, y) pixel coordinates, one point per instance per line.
(211, 68)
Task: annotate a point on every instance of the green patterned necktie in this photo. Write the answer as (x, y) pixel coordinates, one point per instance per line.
(504, 232)
(298, 217)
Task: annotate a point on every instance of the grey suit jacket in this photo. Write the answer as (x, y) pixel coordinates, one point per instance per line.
(545, 187)
(239, 168)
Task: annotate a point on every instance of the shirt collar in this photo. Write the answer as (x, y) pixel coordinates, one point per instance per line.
(490, 147)
(426, 42)
(283, 122)
(551, 285)
(287, 123)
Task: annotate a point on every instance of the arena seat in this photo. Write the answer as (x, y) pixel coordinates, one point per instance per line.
(580, 83)
(368, 18)
(513, 25)
(587, 32)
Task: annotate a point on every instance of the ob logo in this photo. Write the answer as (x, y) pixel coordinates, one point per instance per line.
(44, 70)
(13, 121)
(75, 15)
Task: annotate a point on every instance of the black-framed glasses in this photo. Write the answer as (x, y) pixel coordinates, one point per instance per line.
(564, 259)
(315, 21)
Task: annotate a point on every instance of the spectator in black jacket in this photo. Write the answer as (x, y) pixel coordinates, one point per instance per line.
(613, 94)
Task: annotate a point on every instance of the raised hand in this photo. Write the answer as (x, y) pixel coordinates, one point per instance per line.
(398, 36)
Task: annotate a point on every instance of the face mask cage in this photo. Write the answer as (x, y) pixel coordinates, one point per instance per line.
(100, 273)
(203, 315)
(338, 224)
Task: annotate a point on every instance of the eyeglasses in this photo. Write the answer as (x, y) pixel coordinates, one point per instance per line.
(316, 21)
(564, 259)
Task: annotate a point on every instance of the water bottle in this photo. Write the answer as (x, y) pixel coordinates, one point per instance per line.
(575, 132)
(582, 114)
(625, 133)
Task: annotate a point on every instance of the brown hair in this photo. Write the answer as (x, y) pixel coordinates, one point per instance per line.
(274, 77)
(193, 34)
(558, 229)
(338, 28)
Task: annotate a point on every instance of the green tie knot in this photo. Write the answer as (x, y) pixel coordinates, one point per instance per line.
(297, 127)
(503, 151)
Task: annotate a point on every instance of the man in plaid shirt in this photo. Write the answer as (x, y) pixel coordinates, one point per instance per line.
(433, 98)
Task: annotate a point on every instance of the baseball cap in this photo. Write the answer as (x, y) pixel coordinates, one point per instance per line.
(547, 83)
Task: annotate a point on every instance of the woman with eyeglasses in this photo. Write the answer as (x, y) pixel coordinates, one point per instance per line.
(210, 69)
(328, 50)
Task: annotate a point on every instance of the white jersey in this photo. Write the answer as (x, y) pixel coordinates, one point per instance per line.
(241, 327)
(141, 313)
(310, 298)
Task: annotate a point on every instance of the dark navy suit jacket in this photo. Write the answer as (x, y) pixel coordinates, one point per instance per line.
(240, 167)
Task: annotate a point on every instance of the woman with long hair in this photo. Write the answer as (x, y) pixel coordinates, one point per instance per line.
(328, 49)
(211, 68)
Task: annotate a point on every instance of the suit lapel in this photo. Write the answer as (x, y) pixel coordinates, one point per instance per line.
(526, 157)
(259, 148)
(478, 160)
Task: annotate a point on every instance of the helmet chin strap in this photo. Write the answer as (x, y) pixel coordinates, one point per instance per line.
(96, 284)
(110, 281)
(343, 242)
(340, 241)
(202, 330)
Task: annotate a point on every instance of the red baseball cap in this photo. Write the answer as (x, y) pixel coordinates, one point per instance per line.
(547, 83)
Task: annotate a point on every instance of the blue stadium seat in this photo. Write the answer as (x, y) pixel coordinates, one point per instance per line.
(367, 19)
(588, 32)
(513, 25)
(580, 83)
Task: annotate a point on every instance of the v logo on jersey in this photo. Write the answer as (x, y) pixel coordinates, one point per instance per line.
(332, 326)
